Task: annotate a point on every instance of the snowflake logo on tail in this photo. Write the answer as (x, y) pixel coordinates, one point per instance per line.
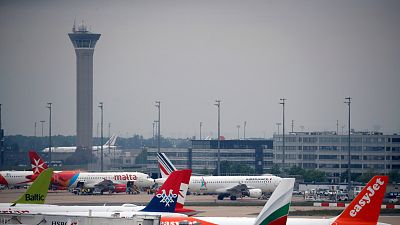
(167, 198)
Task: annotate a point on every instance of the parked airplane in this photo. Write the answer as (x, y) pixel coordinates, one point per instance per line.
(110, 144)
(224, 186)
(13, 178)
(92, 181)
(363, 210)
(163, 203)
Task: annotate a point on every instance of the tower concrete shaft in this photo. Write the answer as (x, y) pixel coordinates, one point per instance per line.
(84, 43)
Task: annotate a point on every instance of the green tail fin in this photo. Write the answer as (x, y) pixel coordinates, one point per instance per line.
(37, 192)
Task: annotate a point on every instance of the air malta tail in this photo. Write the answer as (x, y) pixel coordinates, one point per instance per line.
(168, 195)
(365, 208)
(37, 163)
(36, 193)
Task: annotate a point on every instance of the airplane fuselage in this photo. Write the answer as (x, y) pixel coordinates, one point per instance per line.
(220, 184)
(243, 220)
(225, 184)
(89, 180)
(99, 211)
(13, 178)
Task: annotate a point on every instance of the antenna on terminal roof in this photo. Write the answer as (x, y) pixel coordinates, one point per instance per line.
(74, 27)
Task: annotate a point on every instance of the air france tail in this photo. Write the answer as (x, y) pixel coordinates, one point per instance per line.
(276, 210)
(167, 196)
(37, 163)
(37, 192)
(111, 141)
(365, 208)
(166, 166)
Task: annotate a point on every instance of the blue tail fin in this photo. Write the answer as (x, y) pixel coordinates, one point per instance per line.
(167, 196)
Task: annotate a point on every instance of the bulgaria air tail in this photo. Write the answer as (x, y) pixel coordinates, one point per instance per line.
(37, 192)
(276, 210)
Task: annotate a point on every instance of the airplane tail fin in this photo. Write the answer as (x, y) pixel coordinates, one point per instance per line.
(365, 208)
(37, 192)
(111, 141)
(166, 166)
(276, 210)
(167, 196)
(183, 190)
(37, 163)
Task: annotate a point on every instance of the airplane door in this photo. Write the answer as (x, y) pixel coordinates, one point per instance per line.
(129, 187)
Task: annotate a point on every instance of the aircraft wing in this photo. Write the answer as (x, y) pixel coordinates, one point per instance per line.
(239, 188)
(105, 185)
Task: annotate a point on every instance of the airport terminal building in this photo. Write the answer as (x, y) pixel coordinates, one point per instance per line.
(325, 151)
(328, 152)
(202, 156)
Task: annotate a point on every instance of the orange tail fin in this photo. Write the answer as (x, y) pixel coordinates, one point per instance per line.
(365, 208)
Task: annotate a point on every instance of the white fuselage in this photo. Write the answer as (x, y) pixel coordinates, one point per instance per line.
(89, 180)
(98, 211)
(252, 220)
(221, 184)
(73, 149)
(16, 178)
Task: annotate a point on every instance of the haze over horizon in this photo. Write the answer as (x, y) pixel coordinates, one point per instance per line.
(187, 54)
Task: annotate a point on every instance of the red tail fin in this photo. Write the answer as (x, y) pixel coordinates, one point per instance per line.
(183, 190)
(37, 163)
(166, 197)
(365, 208)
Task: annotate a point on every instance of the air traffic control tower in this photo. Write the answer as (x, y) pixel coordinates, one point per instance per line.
(84, 43)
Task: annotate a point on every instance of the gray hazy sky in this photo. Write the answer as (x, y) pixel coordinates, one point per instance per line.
(185, 53)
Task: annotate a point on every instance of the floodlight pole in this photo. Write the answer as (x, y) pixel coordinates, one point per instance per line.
(283, 133)
(348, 102)
(218, 104)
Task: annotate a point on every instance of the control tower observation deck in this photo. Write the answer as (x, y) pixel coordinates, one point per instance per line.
(84, 43)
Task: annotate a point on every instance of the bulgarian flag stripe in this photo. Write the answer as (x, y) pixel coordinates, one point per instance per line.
(278, 217)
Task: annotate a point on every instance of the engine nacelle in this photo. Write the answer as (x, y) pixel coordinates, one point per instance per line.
(255, 193)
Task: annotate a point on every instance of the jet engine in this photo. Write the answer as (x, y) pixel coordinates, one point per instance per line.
(254, 193)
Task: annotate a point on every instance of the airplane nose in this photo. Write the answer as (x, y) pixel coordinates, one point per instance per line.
(3, 181)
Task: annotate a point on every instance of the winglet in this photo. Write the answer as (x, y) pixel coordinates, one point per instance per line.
(365, 208)
(276, 210)
(166, 166)
(37, 192)
(167, 196)
(37, 163)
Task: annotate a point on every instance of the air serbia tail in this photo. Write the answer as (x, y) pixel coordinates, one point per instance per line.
(170, 192)
(37, 192)
(365, 208)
